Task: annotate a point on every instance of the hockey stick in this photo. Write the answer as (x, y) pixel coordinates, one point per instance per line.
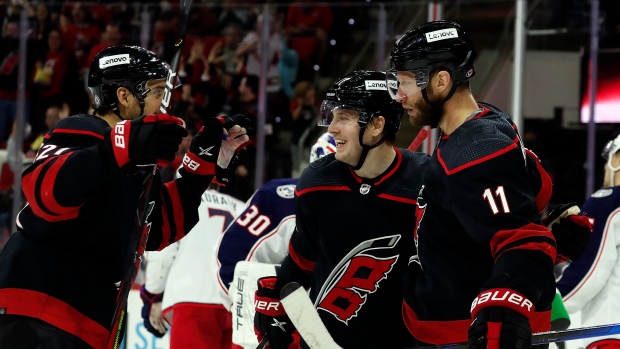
(304, 316)
(418, 139)
(133, 261)
(306, 319)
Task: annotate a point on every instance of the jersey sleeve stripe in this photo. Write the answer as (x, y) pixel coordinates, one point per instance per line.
(305, 264)
(512, 239)
(78, 132)
(323, 188)
(397, 198)
(39, 190)
(475, 162)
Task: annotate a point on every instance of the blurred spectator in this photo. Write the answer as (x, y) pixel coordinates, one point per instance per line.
(224, 53)
(79, 34)
(44, 24)
(164, 34)
(233, 13)
(49, 73)
(305, 18)
(9, 59)
(303, 110)
(53, 114)
(110, 37)
(250, 48)
(288, 66)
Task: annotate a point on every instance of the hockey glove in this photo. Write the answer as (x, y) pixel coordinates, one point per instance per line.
(270, 319)
(148, 140)
(501, 316)
(238, 138)
(572, 231)
(149, 299)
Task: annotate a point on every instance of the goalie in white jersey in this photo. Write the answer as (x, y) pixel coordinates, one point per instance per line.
(196, 273)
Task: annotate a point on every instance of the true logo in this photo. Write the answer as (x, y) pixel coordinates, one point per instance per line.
(111, 61)
(365, 189)
(442, 34)
(376, 85)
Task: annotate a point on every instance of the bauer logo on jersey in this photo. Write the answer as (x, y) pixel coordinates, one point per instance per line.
(442, 34)
(286, 191)
(376, 85)
(111, 61)
(358, 275)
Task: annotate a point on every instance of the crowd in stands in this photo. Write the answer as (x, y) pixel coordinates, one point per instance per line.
(219, 68)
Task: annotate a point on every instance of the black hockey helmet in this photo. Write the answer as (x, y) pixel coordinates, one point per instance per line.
(364, 91)
(123, 66)
(434, 45)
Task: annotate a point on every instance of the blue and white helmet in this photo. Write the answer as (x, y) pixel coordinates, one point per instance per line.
(326, 144)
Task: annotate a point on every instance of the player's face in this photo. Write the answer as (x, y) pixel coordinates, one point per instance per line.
(409, 95)
(346, 132)
(152, 101)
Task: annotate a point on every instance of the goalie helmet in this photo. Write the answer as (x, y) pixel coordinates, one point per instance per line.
(365, 92)
(326, 144)
(123, 66)
(611, 148)
(434, 45)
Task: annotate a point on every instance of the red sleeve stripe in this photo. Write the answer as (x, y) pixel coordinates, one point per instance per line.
(305, 264)
(39, 191)
(177, 209)
(517, 238)
(475, 162)
(78, 132)
(397, 198)
(324, 188)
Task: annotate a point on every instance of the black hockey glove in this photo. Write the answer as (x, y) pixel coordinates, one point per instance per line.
(148, 299)
(270, 319)
(238, 138)
(572, 231)
(501, 316)
(148, 140)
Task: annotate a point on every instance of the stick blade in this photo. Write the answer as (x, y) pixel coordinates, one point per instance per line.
(304, 316)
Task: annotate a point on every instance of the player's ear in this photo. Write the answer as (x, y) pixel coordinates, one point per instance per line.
(123, 95)
(377, 124)
(443, 80)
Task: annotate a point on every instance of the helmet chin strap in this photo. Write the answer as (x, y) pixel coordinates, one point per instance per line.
(365, 149)
(434, 117)
(140, 101)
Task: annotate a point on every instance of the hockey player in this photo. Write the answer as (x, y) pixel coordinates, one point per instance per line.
(193, 302)
(590, 284)
(189, 280)
(483, 253)
(352, 253)
(92, 192)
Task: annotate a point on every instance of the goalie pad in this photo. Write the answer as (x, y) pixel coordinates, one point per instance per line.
(241, 293)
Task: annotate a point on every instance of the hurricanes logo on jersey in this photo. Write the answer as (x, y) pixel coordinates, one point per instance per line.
(356, 276)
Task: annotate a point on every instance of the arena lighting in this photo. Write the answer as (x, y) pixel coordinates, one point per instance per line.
(351, 21)
(607, 104)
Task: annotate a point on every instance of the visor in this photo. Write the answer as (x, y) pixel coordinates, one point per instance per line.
(406, 85)
(326, 112)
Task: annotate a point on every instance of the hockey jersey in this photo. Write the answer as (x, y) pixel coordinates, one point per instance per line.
(76, 233)
(186, 270)
(591, 283)
(353, 241)
(262, 232)
(476, 218)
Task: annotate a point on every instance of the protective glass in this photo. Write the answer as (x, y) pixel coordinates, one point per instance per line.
(405, 85)
(326, 112)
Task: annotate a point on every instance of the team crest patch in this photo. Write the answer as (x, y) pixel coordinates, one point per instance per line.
(365, 189)
(286, 191)
(601, 193)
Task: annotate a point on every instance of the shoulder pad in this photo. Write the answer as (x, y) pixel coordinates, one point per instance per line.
(477, 141)
(323, 172)
(86, 128)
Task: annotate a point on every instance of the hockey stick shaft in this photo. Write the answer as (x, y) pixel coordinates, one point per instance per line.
(418, 140)
(133, 263)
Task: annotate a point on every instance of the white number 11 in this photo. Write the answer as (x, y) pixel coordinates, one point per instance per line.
(502, 196)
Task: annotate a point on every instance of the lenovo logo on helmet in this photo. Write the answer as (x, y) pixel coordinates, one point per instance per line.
(376, 85)
(442, 34)
(111, 61)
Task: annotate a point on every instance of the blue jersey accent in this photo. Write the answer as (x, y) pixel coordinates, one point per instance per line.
(274, 201)
(598, 207)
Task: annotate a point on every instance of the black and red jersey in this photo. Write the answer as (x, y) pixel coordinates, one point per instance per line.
(66, 261)
(477, 218)
(353, 241)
